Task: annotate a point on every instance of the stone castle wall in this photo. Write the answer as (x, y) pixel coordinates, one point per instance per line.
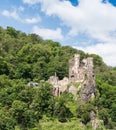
(80, 72)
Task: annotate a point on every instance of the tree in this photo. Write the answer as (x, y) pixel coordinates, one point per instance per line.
(12, 32)
(43, 99)
(3, 66)
(83, 112)
(61, 109)
(22, 114)
(6, 120)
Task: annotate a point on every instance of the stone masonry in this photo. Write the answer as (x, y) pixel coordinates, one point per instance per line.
(79, 72)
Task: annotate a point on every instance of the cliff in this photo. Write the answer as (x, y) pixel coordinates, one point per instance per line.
(81, 80)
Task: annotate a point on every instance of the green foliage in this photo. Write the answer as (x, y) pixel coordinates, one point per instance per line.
(23, 116)
(103, 114)
(12, 32)
(3, 66)
(18, 108)
(25, 58)
(107, 98)
(43, 99)
(83, 112)
(6, 120)
(62, 110)
(56, 125)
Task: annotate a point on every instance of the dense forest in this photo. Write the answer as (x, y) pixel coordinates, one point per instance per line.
(27, 57)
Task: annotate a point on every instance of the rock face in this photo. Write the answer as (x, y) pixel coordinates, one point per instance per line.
(88, 90)
(79, 72)
(96, 123)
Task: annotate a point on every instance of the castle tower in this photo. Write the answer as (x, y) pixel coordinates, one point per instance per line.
(74, 64)
(81, 72)
(89, 67)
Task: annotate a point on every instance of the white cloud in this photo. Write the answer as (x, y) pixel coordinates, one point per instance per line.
(21, 8)
(33, 20)
(31, 1)
(15, 15)
(90, 16)
(93, 18)
(107, 51)
(48, 33)
(10, 14)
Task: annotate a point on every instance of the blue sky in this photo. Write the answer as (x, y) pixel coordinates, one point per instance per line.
(89, 25)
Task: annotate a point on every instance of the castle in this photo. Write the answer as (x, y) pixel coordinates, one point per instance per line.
(80, 72)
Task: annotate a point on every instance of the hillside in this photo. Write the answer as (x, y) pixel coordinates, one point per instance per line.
(27, 57)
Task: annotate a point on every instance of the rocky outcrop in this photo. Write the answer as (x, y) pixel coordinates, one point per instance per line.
(73, 90)
(95, 123)
(88, 90)
(79, 72)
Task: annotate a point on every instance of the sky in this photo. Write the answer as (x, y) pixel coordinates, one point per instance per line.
(88, 25)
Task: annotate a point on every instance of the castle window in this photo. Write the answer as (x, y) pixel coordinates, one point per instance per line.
(72, 76)
(93, 75)
(60, 93)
